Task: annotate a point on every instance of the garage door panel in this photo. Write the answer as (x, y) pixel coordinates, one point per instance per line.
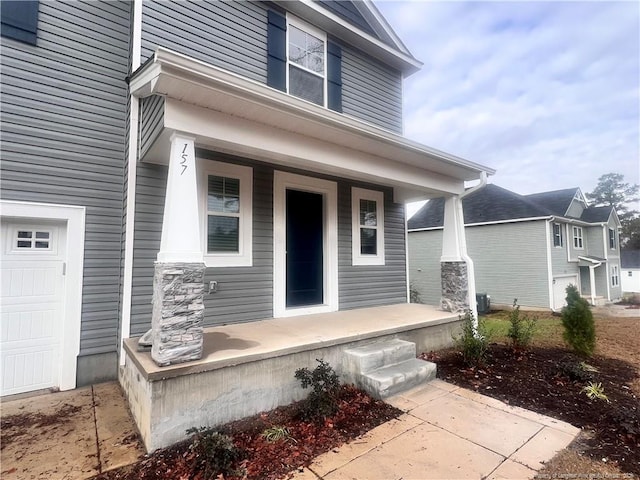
(26, 370)
(21, 280)
(31, 325)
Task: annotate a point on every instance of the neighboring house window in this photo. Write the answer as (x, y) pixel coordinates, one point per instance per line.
(614, 276)
(227, 204)
(19, 20)
(367, 214)
(577, 237)
(557, 235)
(303, 62)
(612, 238)
(306, 66)
(630, 274)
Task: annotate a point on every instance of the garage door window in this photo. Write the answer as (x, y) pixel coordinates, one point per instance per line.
(32, 240)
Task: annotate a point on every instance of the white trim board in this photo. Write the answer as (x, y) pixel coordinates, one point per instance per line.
(283, 181)
(74, 218)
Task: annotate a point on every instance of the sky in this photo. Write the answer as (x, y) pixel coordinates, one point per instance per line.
(546, 93)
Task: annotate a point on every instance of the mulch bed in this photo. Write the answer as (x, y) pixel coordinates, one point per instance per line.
(260, 458)
(547, 381)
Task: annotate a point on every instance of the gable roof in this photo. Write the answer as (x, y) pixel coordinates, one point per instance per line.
(488, 204)
(630, 258)
(596, 214)
(492, 203)
(556, 201)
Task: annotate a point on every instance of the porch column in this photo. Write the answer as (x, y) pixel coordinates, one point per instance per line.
(456, 268)
(178, 288)
(592, 283)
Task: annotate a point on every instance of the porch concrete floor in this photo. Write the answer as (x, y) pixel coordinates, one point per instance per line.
(247, 342)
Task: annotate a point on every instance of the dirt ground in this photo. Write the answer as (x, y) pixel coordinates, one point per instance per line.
(549, 379)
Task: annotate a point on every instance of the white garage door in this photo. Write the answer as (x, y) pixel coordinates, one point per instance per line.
(32, 289)
(560, 285)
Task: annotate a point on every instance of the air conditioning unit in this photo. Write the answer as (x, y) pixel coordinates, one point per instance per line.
(483, 303)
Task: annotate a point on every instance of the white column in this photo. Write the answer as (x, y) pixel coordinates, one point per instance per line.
(180, 224)
(592, 282)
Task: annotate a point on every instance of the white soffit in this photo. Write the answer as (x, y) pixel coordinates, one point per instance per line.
(194, 82)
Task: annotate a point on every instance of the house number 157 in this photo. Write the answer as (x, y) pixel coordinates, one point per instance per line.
(184, 156)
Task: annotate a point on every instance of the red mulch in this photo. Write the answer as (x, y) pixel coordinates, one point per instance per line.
(260, 459)
(542, 380)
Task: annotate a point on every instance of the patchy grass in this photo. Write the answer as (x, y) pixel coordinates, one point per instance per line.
(548, 328)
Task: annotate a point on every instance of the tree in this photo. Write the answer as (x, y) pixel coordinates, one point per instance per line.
(577, 319)
(612, 190)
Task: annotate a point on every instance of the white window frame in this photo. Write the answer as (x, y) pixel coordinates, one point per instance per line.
(311, 30)
(558, 235)
(615, 276)
(357, 258)
(612, 239)
(578, 238)
(52, 249)
(244, 256)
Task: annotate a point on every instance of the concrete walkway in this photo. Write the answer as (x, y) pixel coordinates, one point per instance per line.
(446, 433)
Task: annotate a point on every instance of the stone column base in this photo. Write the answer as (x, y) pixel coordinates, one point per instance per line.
(455, 287)
(178, 311)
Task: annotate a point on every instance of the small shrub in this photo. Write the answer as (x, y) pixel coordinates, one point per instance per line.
(577, 371)
(214, 453)
(322, 402)
(472, 343)
(595, 390)
(414, 294)
(273, 434)
(577, 319)
(521, 329)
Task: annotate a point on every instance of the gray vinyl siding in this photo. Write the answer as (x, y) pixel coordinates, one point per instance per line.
(425, 250)
(64, 104)
(371, 285)
(151, 121)
(349, 12)
(246, 293)
(575, 209)
(228, 35)
(510, 262)
(559, 263)
(595, 241)
(371, 92)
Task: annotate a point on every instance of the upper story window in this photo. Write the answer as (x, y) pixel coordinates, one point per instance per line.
(306, 65)
(577, 238)
(612, 238)
(303, 62)
(557, 235)
(226, 191)
(19, 20)
(367, 231)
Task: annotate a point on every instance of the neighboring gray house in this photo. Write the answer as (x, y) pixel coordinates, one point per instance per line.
(529, 247)
(630, 271)
(254, 148)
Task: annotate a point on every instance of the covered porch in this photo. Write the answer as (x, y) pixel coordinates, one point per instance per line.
(249, 368)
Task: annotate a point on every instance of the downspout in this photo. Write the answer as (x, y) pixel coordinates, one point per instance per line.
(464, 255)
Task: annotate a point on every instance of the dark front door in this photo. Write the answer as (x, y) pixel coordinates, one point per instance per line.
(304, 248)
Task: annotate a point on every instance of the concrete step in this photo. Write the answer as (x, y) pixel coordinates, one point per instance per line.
(376, 355)
(392, 379)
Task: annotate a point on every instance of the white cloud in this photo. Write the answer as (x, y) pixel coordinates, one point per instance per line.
(545, 92)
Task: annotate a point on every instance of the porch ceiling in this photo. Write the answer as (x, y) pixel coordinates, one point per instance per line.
(248, 342)
(230, 110)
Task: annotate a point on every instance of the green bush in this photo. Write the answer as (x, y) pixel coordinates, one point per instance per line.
(521, 329)
(577, 319)
(214, 453)
(322, 402)
(472, 344)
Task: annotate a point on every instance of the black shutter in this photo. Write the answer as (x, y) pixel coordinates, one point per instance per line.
(277, 51)
(20, 20)
(334, 77)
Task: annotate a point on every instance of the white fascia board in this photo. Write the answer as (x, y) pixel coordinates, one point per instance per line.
(515, 220)
(400, 57)
(192, 81)
(428, 229)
